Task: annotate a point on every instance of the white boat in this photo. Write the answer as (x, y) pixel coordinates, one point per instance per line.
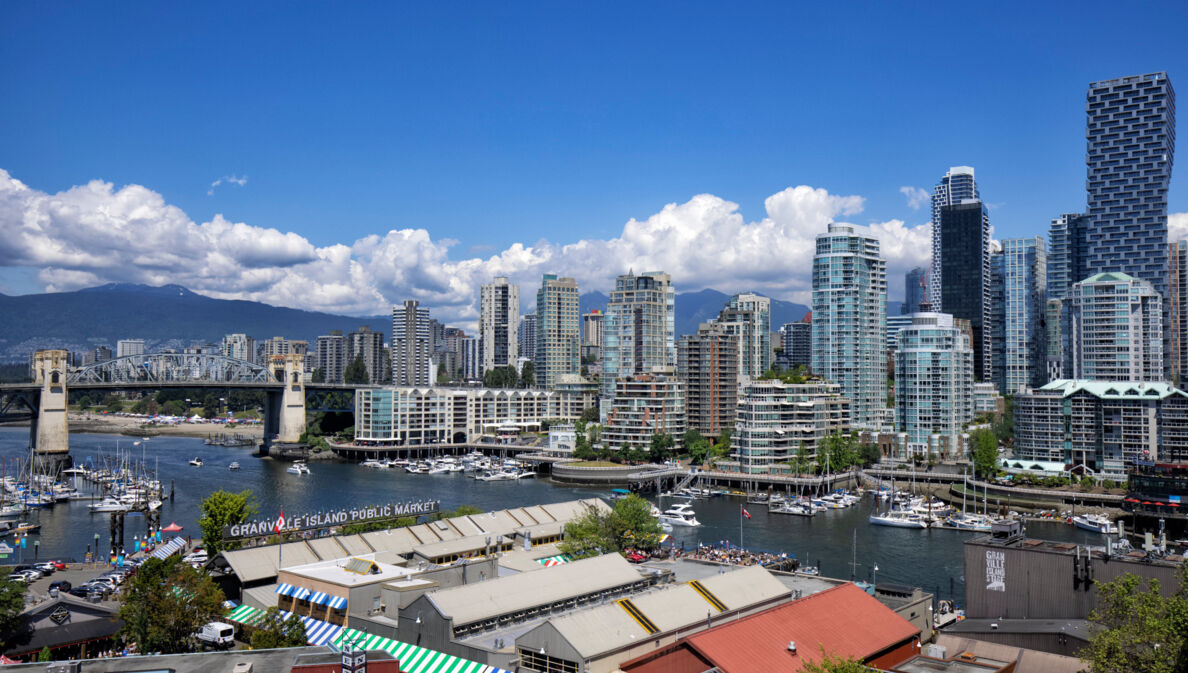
(976, 522)
(497, 475)
(375, 464)
(1096, 523)
(526, 474)
(298, 468)
(795, 507)
(196, 462)
(154, 505)
(680, 514)
(234, 465)
(899, 518)
(110, 504)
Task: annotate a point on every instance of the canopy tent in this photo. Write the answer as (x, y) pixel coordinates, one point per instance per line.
(413, 659)
(169, 548)
(172, 528)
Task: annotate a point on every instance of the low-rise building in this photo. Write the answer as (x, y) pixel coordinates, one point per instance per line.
(777, 420)
(645, 405)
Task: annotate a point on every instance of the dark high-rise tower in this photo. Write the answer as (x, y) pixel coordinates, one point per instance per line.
(964, 230)
(956, 186)
(914, 283)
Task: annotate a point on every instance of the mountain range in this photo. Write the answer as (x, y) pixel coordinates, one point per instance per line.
(171, 316)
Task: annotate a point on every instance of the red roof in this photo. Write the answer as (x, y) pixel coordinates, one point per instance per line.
(844, 620)
(808, 317)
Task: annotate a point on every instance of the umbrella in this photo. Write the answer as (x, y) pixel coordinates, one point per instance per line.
(1148, 503)
(1133, 500)
(171, 528)
(1173, 504)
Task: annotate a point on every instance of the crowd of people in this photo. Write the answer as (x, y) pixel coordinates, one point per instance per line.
(732, 555)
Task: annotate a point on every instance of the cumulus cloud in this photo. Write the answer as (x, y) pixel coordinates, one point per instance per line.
(226, 180)
(916, 197)
(95, 233)
(1177, 227)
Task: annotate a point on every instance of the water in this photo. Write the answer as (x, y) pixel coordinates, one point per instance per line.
(924, 558)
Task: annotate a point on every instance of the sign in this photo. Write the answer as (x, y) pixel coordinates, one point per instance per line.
(5, 548)
(300, 522)
(353, 661)
(60, 615)
(995, 570)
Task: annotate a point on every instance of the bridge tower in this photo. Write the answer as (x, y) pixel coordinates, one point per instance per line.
(285, 417)
(50, 432)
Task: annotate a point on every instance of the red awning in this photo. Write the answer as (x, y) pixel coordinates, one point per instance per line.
(171, 528)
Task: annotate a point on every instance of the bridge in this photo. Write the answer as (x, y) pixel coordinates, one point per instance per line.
(287, 396)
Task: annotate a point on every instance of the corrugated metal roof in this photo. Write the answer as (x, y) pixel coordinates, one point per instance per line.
(397, 540)
(455, 546)
(465, 526)
(252, 565)
(354, 544)
(485, 600)
(326, 548)
(496, 523)
(296, 553)
(263, 597)
(844, 621)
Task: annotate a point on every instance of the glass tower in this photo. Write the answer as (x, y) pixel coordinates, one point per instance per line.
(1024, 303)
(956, 186)
(638, 331)
(558, 330)
(965, 275)
(1116, 329)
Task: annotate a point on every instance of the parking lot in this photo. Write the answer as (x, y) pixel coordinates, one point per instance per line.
(76, 574)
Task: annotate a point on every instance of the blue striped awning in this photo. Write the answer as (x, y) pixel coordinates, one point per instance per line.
(169, 548)
(318, 632)
(285, 589)
(300, 593)
(319, 598)
(337, 602)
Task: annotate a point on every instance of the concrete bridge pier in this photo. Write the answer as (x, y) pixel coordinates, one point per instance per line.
(285, 413)
(49, 431)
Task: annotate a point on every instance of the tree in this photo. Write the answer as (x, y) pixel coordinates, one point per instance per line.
(528, 375)
(590, 415)
(833, 664)
(165, 603)
(318, 376)
(660, 446)
(984, 452)
(1004, 427)
(12, 602)
(221, 509)
(84, 402)
(356, 371)
(628, 524)
(869, 454)
(113, 403)
(174, 408)
(500, 377)
(45, 654)
(275, 631)
(1137, 629)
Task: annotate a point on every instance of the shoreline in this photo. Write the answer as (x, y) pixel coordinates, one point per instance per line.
(131, 427)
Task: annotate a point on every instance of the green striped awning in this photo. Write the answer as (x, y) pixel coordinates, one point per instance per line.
(554, 560)
(247, 615)
(412, 659)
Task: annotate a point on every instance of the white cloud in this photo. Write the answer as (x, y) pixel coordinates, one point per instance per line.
(95, 233)
(1177, 227)
(916, 197)
(226, 179)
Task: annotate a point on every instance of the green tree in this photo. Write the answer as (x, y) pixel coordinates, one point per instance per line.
(528, 375)
(583, 451)
(356, 371)
(628, 524)
(1137, 629)
(1004, 427)
(500, 377)
(590, 415)
(318, 376)
(462, 510)
(113, 403)
(12, 602)
(984, 452)
(830, 663)
(174, 408)
(368, 526)
(165, 603)
(869, 454)
(661, 447)
(221, 509)
(84, 402)
(45, 655)
(275, 631)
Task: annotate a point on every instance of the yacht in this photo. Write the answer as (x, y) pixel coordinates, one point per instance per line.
(978, 522)
(1096, 523)
(899, 518)
(526, 474)
(298, 467)
(497, 475)
(680, 514)
(110, 504)
(375, 464)
(196, 462)
(795, 507)
(154, 505)
(234, 465)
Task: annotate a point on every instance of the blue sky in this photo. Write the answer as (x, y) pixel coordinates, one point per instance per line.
(492, 124)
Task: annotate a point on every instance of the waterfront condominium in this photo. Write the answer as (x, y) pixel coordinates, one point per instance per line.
(707, 362)
(1024, 301)
(412, 345)
(331, 354)
(499, 317)
(1116, 329)
(638, 330)
(779, 422)
(748, 316)
(369, 346)
(965, 275)
(558, 330)
(645, 405)
(915, 282)
(956, 186)
(1177, 354)
(849, 319)
(1131, 142)
(933, 386)
(797, 341)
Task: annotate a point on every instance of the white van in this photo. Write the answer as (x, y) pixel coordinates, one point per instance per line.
(217, 634)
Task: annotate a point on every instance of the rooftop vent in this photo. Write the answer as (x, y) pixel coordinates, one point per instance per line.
(792, 646)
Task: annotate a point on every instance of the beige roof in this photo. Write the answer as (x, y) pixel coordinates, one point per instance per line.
(397, 540)
(263, 597)
(572, 509)
(1030, 661)
(496, 523)
(326, 548)
(543, 529)
(466, 526)
(608, 627)
(538, 514)
(354, 544)
(455, 546)
(296, 553)
(253, 564)
(476, 602)
(424, 534)
(444, 529)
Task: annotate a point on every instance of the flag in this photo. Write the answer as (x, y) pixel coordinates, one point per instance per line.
(746, 513)
(280, 522)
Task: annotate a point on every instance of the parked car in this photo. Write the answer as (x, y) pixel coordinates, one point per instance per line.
(58, 565)
(46, 567)
(63, 586)
(26, 576)
(82, 591)
(636, 557)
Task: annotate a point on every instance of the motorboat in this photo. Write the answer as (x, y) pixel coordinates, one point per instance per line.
(110, 504)
(196, 462)
(899, 518)
(153, 505)
(977, 522)
(375, 464)
(795, 507)
(526, 474)
(298, 468)
(497, 475)
(233, 466)
(680, 514)
(1096, 523)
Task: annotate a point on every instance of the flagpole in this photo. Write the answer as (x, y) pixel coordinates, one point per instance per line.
(740, 532)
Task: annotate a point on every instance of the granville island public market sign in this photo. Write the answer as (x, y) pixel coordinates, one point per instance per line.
(300, 522)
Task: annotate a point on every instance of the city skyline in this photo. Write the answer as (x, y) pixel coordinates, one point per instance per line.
(248, 229)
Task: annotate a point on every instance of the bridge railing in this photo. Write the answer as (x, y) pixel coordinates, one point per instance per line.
(172, 368)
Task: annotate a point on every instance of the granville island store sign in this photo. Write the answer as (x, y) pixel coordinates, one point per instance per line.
(303, 522)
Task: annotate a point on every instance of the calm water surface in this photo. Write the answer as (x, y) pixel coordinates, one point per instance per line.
(928, 558)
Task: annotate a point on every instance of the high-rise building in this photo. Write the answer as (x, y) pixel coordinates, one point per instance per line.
(558, 330)
(592, 328)
(332, 356)
(470, 358)
(125, 347)
(915, 282)
(965, 275)
(748, 316)
(779, 422)
(933, 385)
(849, 318)
(1131, 141)
(1024, 302)
(996, 318)
(707, 362)
(527, 336)
(1068, 254)
(499, 318)
(1116, 329)
(1057, 338)
(638, 332)
(797, 340)
(956, 186)
(412, 345)
(240, 347)
(368, 345)
(1177, 312)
